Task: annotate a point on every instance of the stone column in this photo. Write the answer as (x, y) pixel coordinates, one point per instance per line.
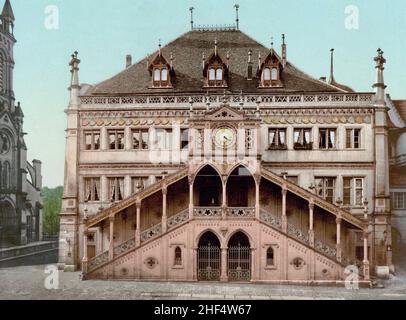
(164, 207)
(85, 258)
(224, 205)
(284, 217)
(257, 207)
(138, 225)
(111, 248)
(366, 261)
(191, 204)
(339, 249)
(224, 275)
(111, 243)
(311, 223)
(128, 141)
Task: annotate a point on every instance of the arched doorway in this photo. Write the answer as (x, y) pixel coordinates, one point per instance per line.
(241, 188)
(207, 188)
(8, 225)
(239, 258)
(208, 258)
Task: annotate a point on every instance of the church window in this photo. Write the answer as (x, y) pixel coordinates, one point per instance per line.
(1, 72)
(270, 258)
(139, 183)
(302, 139)
(140, 139)
(116, 139)
(353, 191)
(353, 138)
(92, 140)
(178, 256)
(277, 138)
(327, 138)
(116, 189)
(325, 188)
(92, 189)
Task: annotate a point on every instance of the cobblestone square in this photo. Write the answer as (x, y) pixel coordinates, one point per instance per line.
(24, 283)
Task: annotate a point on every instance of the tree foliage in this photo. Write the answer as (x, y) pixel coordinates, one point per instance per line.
(52, 200)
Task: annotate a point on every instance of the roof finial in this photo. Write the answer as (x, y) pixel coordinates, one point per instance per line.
(160, 46)
(272, 42)
(284, 55)
(259, 59)
(171, 58)
(215, 46)
(191, 17)
(331, 80)
(237, 20)
(249, 55)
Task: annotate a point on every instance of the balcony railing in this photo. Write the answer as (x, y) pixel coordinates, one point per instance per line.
(241, 212)
(208, 212)
(341, 99)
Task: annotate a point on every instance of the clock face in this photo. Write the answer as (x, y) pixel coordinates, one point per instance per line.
(224, 137)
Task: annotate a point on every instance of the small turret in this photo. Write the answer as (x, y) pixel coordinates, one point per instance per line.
(380, 83)
(74, 87)
(7, 17)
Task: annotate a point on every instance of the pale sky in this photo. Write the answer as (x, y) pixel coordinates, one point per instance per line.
(104, 31)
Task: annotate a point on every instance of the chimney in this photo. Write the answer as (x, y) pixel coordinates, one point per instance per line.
(284, 55)
(129, 61)
(249, 71)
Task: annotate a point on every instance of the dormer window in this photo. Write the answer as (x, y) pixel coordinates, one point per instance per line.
(215, 76)
(215, 71)
(269, 72)
(161, 72)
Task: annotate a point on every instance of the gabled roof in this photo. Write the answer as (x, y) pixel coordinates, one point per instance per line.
(188, 50)
(8, 11)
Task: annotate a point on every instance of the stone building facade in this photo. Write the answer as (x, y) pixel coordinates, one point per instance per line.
(20, 181)
(215, 158)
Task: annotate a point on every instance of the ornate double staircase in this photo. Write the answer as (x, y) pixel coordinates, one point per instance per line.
(183, 217)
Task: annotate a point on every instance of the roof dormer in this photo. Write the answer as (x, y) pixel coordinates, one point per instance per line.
(215, 71)
(162, 72)
(270, 71)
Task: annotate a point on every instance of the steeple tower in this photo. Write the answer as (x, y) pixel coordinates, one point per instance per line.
(7, 56)
(7, 17)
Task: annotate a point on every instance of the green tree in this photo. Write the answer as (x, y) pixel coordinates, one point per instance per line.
(52, 200)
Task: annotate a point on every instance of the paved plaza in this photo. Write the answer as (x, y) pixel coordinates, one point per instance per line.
(31, 282)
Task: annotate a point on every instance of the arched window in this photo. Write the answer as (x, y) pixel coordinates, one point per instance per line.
(270, 261)
(1, 71)
(6, 175)
(157, 75)
(164, 74)
(267, 74)
(274, 74)
(212, 74)
(178, 256)
(219, 74)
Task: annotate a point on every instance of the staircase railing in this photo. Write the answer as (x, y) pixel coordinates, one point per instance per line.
(177, 219)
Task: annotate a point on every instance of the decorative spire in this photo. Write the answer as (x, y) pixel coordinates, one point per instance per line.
(259, 59)
(7, 17)
(331, 80)
(228, 59)
(203, 60)
(272, 43)
(284, 54)
(74, 87)
(160, 46)
(191, 17)
(171, 59)
(249, 69)
(380, 83)
(237, 20)
(7, 12)
(215, 47)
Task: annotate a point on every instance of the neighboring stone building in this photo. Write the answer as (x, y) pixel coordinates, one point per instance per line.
(215, 158)
(397, 138)
(20, 181)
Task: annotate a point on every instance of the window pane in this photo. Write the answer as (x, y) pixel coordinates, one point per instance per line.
(357, 138)
(348, 138)
(347, 191)
(164, 76)
(88, 141)
(282, 135)
(212, 74)
(144, 136)
(96, 139)
(267, 74)
(297, 136)
(219, 74)
(274, 74)
(112, 140)
(136, 139)
(332, 139)
(272, 137)
(157, 75)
